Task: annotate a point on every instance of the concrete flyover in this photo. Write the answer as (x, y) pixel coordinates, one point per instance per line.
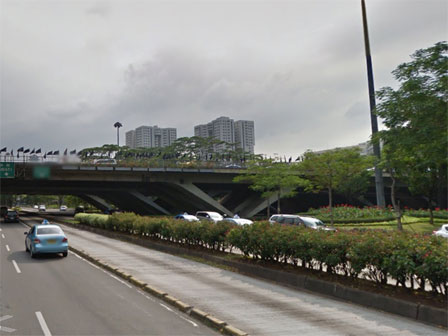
(141, 190)
(150, 191)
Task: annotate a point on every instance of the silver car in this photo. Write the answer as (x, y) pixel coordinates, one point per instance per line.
(209, 215)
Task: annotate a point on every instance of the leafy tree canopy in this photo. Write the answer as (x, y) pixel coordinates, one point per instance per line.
(415, 114)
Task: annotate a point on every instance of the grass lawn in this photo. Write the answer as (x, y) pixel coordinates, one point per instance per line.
(411, 224)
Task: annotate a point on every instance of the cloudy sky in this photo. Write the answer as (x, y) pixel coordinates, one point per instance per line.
(71, 69)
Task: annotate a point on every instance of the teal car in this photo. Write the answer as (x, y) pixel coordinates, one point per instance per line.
(47, 238)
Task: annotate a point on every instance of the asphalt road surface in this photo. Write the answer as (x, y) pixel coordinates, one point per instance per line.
(51, 295)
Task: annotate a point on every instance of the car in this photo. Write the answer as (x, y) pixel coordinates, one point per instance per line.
(316, 224)
(36, 207)
(45, 239)
(309, 222)
(238, 221)
(79, 209)
(111, 211)
(63, 208)
(42, 207)
(442, 232)
(234, 166)
(209, 215)
(187, 217)
(11, 217)
(286, 219)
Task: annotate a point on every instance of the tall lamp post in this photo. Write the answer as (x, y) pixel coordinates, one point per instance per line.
(379, 184)
(117, 125)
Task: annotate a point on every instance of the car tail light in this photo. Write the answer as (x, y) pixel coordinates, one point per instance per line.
(64, 240)
(36, 240)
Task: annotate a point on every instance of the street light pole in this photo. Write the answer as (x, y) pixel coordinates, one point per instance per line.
(379, 184)
(117, 125)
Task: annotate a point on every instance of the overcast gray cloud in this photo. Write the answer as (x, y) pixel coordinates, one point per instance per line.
(70, 69)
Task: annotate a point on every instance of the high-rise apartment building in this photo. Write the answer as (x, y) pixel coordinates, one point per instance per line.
(150, 136)
(245, 135)
(225, 129)
(130, 139)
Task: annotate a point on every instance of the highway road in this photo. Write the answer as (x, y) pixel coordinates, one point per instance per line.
(51, 295)
(254, 306)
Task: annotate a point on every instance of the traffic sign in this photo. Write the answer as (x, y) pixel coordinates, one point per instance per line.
(41, 172)
(7, 170)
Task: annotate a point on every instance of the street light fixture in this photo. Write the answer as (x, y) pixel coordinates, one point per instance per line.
(117, 125)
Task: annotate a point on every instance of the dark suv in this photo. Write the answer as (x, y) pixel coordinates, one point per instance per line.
(11, 216)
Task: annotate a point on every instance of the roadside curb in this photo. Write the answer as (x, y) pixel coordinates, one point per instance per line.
(195, 313)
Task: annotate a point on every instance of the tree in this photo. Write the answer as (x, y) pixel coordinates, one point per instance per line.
(271, 178)
(333, 170)
(415, 114)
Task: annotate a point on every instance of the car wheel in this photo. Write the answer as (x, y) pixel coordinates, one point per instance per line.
(26, 248)
(64, 254)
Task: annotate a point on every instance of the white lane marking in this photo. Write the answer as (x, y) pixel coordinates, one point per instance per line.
(6, 329)
(118, 279)
(190, 321)
(16, 267)
(43, 324)
(109, 274)
(7, 248)
(126, 284)
(183, 318)
(6, 317)
(3, 236)
(166, 307)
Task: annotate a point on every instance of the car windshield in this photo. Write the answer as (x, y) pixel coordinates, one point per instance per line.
(11, 213)
(49, 230)
(312, 222)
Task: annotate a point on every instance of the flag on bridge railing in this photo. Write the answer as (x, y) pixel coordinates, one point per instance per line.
(20, 149)
(26, 151)
(56, 152)
(38, 151)
(73, 151)
(49, 153)
(3, 149)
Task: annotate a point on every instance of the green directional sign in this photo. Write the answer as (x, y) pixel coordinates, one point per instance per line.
(7, 169)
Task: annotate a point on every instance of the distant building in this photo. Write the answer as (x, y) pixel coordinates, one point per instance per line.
(241, 133)
(245, 135)
(130, 139)
(150, 136)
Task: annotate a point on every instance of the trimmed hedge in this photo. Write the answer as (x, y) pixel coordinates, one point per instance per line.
(410, 259)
